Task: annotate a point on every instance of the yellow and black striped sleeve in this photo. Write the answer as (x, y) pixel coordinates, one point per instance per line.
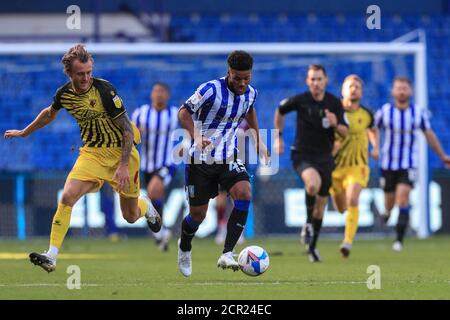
(371, 117)
(56, 104)
(110, 98)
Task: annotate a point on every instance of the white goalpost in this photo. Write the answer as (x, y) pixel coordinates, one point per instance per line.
(417, 50)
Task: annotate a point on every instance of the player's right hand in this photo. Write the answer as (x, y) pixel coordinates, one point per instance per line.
(9, 134)
(205, 143)
(202, 143)
(332, 119)
(278, 145)
(375, 153)
(446, 160)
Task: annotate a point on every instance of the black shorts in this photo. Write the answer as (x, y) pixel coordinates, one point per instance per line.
(323, 166)
(391, 178)
(165, 173)
(203, 180)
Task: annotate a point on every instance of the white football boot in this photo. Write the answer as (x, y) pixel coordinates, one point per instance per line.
(226, 261)
(184, 261)
(397, 246)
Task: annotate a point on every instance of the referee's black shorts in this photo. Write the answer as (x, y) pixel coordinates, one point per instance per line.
(324, 166)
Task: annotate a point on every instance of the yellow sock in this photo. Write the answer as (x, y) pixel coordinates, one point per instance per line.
(143, 206)
(351, 224)
(60, 225)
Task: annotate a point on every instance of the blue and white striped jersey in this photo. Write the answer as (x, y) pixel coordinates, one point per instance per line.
(217, 113)
(399, 150)
(156, 129)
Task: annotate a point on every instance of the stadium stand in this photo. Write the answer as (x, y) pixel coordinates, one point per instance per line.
(133, 75)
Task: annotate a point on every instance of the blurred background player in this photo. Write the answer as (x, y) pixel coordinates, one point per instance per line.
(319, 116)
(156, 122)
(351, 157)
(400, 121)
(222, 199)
(108, 153)
(107, 207)
(217, 108)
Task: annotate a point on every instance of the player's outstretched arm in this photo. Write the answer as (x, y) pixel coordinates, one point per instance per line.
(434, 143)
(46, 116)
(121, 175)
(279, 125)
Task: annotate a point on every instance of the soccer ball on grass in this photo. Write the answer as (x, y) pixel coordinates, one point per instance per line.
(253, 261)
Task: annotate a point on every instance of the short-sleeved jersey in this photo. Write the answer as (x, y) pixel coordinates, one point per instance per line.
(401, 129)
(219, 112)
(157, 128)
(94, 111)
(354, 147)
(314, 138)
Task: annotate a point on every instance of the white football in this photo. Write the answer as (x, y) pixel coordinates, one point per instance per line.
(253, 260)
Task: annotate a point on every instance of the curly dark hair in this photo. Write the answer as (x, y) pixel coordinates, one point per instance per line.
(240, 60)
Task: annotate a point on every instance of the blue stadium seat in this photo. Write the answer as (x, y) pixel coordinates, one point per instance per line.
(27, 91)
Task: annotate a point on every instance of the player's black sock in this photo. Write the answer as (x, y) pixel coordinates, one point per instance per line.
(159, 205)
(402, 223)
(317, 225)
(188, 229)
(236, 224)
(310, 201)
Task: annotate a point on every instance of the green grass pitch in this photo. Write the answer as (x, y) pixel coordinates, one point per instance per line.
(136, 269)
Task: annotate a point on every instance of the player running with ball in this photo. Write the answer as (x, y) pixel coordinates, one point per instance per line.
(212, 116)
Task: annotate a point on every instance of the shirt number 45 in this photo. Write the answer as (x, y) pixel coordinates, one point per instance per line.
(237, 166)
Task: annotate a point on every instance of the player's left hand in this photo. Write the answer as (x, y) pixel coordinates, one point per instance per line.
(332, 119)
(9, 134)
(264, 153)
(122, 178)
(446, 160)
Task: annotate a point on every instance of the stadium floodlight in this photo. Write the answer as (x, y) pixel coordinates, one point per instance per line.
(417, 50)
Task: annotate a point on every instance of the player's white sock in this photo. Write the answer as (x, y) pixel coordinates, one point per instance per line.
(53, 251)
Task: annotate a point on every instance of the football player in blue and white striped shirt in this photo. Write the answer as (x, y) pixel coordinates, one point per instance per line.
(156, 122)
(211, 116)
(401, 121)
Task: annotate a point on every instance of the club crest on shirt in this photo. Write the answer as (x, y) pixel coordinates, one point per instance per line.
(195, 98)
(93, 102)
(117, 102)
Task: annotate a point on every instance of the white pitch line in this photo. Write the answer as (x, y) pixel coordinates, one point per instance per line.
(29, 285)
(306, 282)
(216, 283)
(265, 283)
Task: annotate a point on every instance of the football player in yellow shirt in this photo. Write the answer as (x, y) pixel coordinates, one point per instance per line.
(108, 153)
(351, 156)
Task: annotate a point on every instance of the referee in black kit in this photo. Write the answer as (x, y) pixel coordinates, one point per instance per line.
(319, 116)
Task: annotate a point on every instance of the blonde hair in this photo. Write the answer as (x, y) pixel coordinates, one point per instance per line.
(77, 52)
(353, 77)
